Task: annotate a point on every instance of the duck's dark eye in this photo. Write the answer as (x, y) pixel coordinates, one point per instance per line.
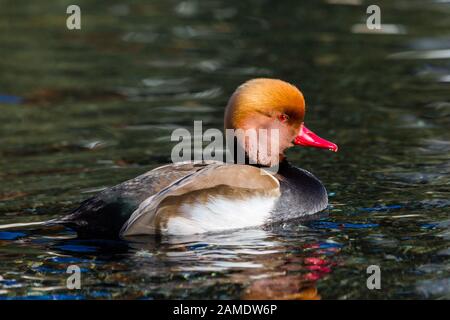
(283, 117)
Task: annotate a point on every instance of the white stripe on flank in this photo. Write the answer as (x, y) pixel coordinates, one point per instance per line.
(219, 214)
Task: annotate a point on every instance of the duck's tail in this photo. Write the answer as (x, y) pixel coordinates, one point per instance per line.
(28, 224)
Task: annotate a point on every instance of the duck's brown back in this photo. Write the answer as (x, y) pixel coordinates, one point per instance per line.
(104, 214)
(216, 198)
(146, 204)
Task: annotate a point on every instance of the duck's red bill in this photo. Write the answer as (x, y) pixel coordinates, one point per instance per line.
(308, 138)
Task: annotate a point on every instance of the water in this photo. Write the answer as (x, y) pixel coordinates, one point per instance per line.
(83, 110)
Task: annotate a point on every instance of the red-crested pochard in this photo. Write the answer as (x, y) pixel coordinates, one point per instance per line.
(211, 196)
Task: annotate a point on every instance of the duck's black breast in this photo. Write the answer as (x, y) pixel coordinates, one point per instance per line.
(302, 194)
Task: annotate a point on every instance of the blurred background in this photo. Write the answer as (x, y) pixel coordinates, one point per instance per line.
(81, 110)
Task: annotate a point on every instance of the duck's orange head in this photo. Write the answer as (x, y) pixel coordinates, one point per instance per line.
(273, 104)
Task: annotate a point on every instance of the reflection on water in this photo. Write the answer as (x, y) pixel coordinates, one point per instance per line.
(83, 110)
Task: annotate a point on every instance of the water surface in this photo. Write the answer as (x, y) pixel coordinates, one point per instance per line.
(84, 110)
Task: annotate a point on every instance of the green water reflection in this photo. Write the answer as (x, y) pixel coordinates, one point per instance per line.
(82, 110)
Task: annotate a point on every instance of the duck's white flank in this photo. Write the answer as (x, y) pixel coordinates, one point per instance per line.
(220, 213)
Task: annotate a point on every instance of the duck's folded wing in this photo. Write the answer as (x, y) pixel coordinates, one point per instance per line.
(104, 214)
(217, 197)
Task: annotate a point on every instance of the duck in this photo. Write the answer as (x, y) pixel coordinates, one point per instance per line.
(203, 196)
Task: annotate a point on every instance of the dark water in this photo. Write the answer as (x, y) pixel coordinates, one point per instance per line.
(82, 110)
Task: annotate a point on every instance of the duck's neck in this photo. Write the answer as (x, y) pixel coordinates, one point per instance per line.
(237, 158)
